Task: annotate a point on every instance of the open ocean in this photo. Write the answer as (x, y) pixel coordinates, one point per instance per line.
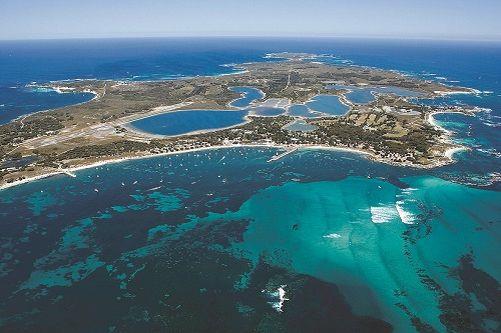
(209, 241)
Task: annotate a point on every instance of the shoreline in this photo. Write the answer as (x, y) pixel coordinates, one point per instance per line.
(24, 116)
(122, 159)
(238, 69)
(446, 148)
(64, 90)
(449, 153)
(368, 154)
(433, 122)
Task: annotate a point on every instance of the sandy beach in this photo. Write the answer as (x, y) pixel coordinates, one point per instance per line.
(448, 153)
(292, 148)
(131, 158)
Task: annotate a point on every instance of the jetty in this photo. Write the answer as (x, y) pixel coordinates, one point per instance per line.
(285, 153)
(69, 173)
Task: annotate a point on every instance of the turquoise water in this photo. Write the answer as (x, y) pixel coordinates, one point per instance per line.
(183, 122)
(170, 231)
(371, 250)
(207, 241)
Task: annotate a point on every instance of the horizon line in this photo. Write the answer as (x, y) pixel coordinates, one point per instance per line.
(257, 36)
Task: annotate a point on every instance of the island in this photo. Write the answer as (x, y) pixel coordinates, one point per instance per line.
(391, 128)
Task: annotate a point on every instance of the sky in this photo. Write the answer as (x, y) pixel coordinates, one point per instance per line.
(438, 19)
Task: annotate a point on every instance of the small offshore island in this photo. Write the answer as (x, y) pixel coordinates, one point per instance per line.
(391, 128)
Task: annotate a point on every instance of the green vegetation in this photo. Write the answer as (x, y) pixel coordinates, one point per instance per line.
(391, 128)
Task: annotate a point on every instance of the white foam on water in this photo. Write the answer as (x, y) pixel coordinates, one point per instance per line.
(332, 236)
(490, 124)
(408, 190)
(42, 89)
(383, 214)
(281, 299)
(279, 294)
(490, 151)
(405, 216)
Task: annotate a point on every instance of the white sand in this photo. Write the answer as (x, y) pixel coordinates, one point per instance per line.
(123, 159)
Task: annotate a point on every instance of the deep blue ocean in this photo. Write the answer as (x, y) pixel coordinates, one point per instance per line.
(208, 241)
